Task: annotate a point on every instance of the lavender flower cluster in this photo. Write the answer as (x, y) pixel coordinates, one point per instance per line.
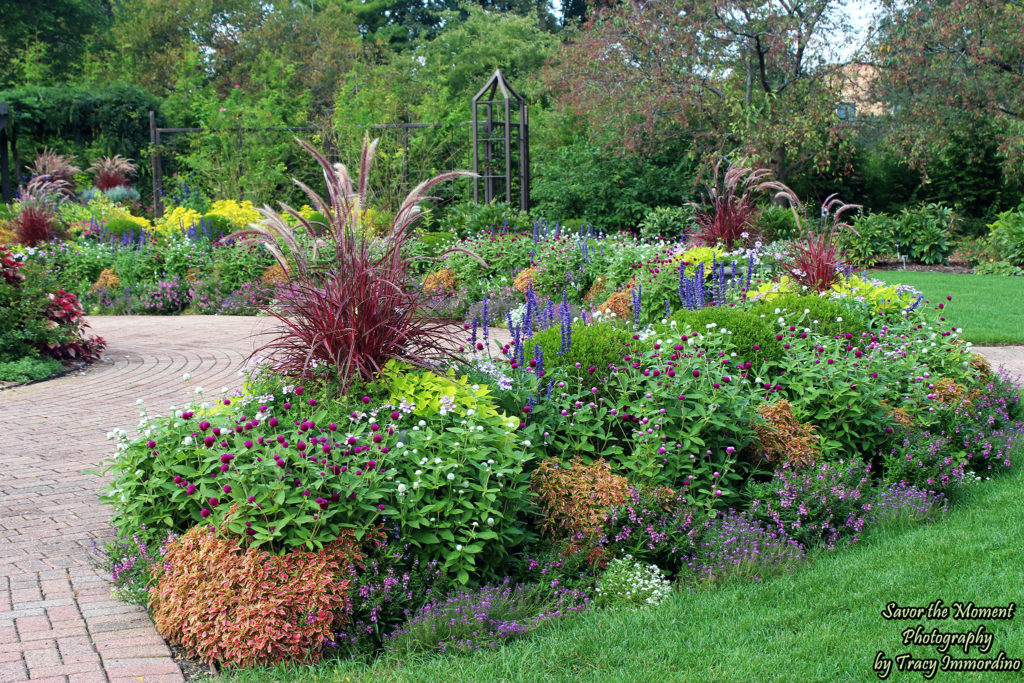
(735, 544)
(820, 506)
(905, 502)
(469, 620)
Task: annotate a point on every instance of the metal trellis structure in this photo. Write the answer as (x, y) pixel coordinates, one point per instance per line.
(501, 143)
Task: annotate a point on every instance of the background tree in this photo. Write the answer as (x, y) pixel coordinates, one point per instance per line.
(953, 65)
(45, 40)
(760, 77)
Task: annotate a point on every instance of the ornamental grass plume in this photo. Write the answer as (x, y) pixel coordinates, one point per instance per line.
(111, 172)
(814, 261)
(59, 168)
(733, 209)
(364, 308)
(37, 221)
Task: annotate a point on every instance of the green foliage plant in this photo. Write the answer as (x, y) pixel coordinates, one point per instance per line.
(671, 223)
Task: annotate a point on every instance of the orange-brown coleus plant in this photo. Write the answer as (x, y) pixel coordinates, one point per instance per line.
(574, 501)
(783, 440)
(244, 608)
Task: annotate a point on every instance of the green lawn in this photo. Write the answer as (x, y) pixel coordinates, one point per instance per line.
(989, 308)
(822, 623)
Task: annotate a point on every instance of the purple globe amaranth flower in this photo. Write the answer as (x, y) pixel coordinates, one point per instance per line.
(204, 513)
(190, 489)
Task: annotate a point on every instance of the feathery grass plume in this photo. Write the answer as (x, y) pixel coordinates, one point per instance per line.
(814, 260)
(111, 172)
(60, 168)
(36, 221)
(733, 209)
(364, 308)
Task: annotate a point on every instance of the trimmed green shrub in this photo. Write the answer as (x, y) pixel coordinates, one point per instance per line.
(669, 222)
(777, 223)
(826, 311)
(593, 346)
(752, 336)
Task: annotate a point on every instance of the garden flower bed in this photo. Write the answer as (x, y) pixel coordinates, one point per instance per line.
(733, 425)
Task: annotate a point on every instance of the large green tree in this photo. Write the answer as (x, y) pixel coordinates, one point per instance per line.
(953, 65)
(758, 78)
(44, 40)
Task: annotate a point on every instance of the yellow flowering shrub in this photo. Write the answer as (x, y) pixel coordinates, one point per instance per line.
(241, 214)
(178, 218)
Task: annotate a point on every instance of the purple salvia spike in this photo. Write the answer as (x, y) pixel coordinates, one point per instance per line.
(485, 322)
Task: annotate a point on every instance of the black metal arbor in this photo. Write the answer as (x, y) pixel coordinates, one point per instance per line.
(501, 143)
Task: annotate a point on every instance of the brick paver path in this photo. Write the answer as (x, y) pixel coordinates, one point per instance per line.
(58, 621)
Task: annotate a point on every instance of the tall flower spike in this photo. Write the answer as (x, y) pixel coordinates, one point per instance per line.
(485, 321)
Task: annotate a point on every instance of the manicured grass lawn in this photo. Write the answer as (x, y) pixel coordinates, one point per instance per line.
(989, 308)
(822, 623)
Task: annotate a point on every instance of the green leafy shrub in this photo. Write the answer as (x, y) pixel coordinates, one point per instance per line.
(435, 242)
(245, 607)
(1003, 268)
(593, 349)
(29, 369)
(470, 218)
(454, 478)
(930, 229)
(613, 192)
(777, 223)
(669, 222)
(872, 236)
(1006, 235)
(750, 336)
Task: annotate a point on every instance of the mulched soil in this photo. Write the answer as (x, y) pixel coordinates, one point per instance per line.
(953, 267)
(191, 669)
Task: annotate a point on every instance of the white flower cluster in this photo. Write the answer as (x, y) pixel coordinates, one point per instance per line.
(627, 582)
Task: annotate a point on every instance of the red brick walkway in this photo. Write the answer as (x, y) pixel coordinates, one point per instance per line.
(58, 621)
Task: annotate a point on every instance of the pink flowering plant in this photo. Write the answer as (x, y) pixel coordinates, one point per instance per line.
(820, 507)
(301, 468)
